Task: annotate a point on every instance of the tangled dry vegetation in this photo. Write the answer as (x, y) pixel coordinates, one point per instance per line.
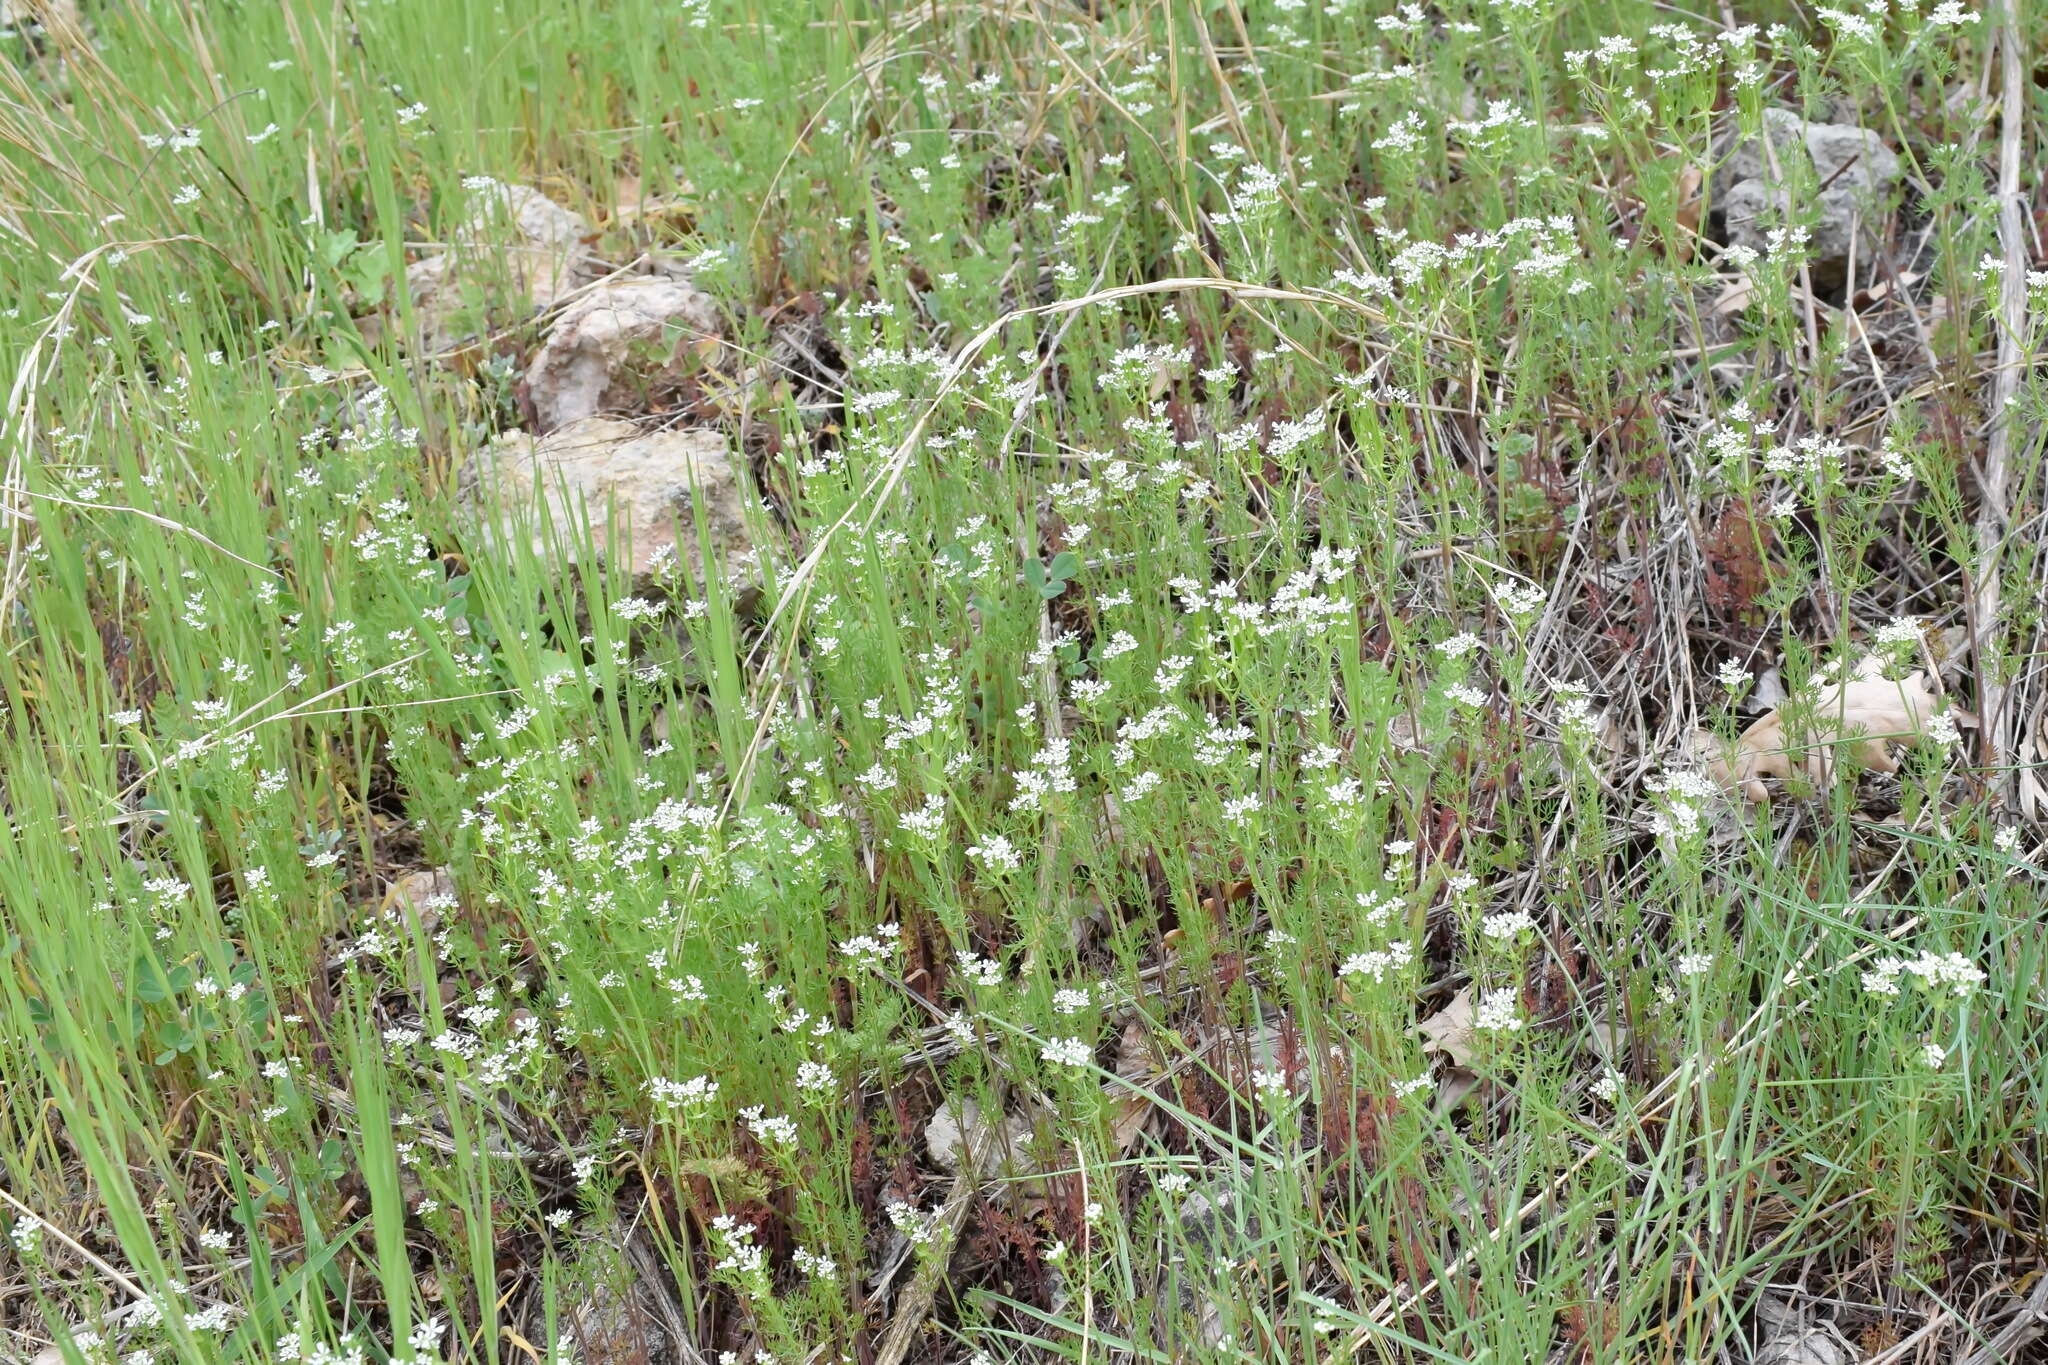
(1018, 681)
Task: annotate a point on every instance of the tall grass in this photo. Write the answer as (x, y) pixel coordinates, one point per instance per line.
(1255, 502)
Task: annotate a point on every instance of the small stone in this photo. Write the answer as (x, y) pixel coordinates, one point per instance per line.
(652, 484)
(1791, 1337)
(957, 1122)
(511, 237)
(612, 345)
(1852, 166)
(423, 891)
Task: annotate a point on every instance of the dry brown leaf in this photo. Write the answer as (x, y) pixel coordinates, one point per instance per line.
(1449, 1030)
(1735, 297)
(1688, 215)
(1882, 290)
(1456, 1087)
(1135, 1058)
(1868, 713)
(1610, 1041)
(1132, 1113)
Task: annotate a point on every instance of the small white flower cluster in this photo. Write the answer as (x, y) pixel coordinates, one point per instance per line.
(1733, 676)
(1685, 795)
(1049, 773)
(1518, 600)
(1071, 1001)
(1499, 1011)
(1807, 457)
(920, 1228)
(979, 970)
(1507, 926)
(697, 1093)
(773, 1131)
(1930, 971)
(996, 854)
(871, 950)
(1381, 963)
(743, 1258)
(1272, 1087)
(814, 1082)
(1073, 1052)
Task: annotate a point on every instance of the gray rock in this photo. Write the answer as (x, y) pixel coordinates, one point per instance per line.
(54, 14)
(958, 1122)
(1221, 1225)
(1852, 166)
(532, 217)
(612, 344)
(511, 237)
(1792, 1337)
(608, 1314)
(653, 484)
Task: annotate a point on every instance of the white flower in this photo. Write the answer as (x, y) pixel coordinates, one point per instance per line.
(1695, 964)
(996, 854)
(1518, 599)
(1088, 691)
(1933, 1055)
(1506, 926)
(869, 950)
(1732, 675)
(1123, 642)
(1941, 728)
(982, 971)
(1499, 1011)
(1139, 787)
(1271, 1085)
(1067, 1052)
(918, 1227)
(1896, 462)
(1930, 971)
(1608, 1087)
(1379, 965)
(695, 1093)
(773, 1131)
(636, 609)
